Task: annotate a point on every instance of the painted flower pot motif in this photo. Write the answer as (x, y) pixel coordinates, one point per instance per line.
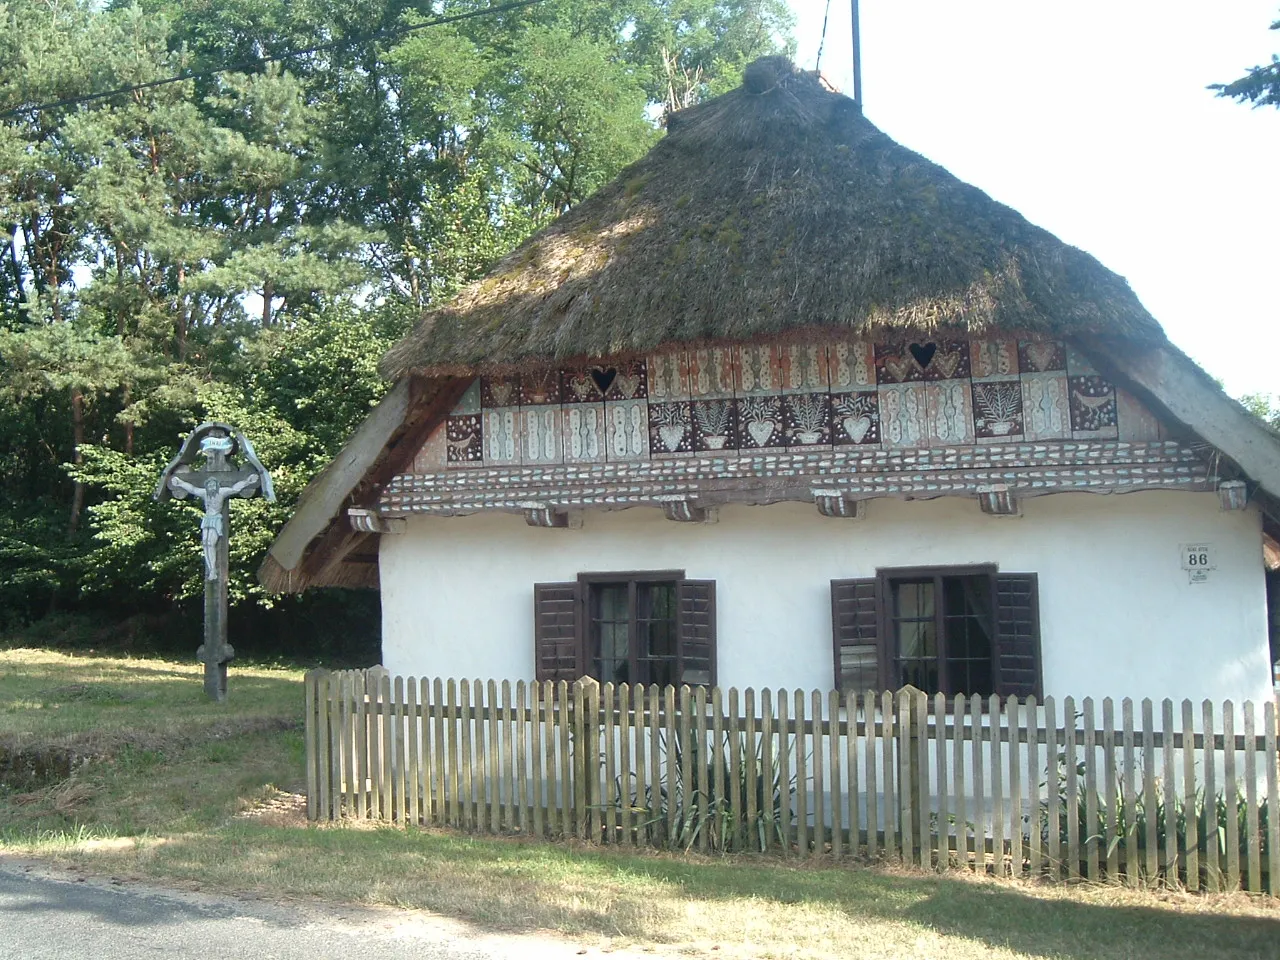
(1000, 428)
(808, 436)
(715, 443)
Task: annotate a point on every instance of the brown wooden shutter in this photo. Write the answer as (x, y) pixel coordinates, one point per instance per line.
(1018, 636)
(557, 650)
(855, 633)
(696, 609)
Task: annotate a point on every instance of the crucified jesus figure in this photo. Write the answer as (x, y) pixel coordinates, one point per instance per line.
(214, 496)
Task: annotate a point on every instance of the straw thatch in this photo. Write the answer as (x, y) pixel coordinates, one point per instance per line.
(771, 209)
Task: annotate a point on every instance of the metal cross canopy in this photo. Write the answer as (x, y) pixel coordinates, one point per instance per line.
(215, 484)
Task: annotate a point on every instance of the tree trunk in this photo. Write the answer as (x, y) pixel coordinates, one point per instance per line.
(268, 294)
(77, 457)
(181, 320)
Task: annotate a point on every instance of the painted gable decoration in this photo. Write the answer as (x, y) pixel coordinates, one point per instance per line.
(753, 398)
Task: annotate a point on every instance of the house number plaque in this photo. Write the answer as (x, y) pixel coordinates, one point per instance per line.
(1198, 559)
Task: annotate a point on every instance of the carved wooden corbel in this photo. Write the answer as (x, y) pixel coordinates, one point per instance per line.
(683, 509)
(835, 503)
(363, 520)
(998, 501)
(1233, 495)
(545, 515)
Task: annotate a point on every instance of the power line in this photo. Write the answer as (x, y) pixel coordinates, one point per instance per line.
(259, 61)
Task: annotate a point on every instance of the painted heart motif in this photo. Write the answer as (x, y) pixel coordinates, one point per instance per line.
(583, 387)
(672, 434)
(1041, 355)
(628, 385)
(923, 353)
(898, 368)
(856, 428)
(761, 431)
(946, 364)
(501, 393)
(603, 378)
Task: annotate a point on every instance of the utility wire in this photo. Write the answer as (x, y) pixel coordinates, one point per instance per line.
(259, 61)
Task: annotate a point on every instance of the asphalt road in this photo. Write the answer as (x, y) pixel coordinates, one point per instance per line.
(46, 914)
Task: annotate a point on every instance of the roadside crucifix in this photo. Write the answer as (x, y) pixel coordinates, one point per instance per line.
(215, 484)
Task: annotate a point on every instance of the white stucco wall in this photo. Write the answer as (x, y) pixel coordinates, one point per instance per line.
(1118, 616)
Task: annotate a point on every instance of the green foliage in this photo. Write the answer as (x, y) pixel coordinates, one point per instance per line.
(1260, 86)
(244, 246)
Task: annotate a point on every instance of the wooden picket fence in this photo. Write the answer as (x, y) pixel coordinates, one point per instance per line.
(994, 785)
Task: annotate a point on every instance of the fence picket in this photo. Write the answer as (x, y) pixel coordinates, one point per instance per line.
(537, 781)
(869, 712)
(1254, 882)
(733, 741)
(719, 790)
(1034, 858)
(1110, 799)
(608, 809)
(889, 737)
(555, 799)
(311, 726)
(1271, 759)
(411, 728)
(690, 754)
(581, 757)
(907, 791)
(942, 833)
(655, 765)
(1190, 817)
(386, 737)
(957, 771)
(851, 772)
(673, 773)
(979, 801)
(1053, 830)
(564, 724)
(438, 787)
(1210, 831)
(493, 771)
(1090, 792)
(510, 816)
(1132, 865)
(802, 779)
(1068, 771)
(997, 788)
(1013, 714)
(640, 806)
(769, 816)
(399, 759)
(622, 789)
(833, 774)
(752, 836)
(1152, 847)
(819, 794)
(1230, 795)
(924, 807)
(1170, 786)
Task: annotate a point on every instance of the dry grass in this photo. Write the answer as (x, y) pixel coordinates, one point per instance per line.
(741, 907)
(210, 812)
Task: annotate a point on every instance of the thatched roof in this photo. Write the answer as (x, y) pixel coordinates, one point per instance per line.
(774, 208)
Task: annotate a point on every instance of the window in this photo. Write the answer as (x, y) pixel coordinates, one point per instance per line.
(647, 627)
(948, 630)
(631, 631)
(941, 634)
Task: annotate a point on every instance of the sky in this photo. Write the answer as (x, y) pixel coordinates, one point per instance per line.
(1091, 118)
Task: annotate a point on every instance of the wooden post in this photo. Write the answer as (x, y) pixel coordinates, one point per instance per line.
(909, 734)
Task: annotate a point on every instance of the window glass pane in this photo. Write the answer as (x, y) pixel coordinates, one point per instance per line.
(969, 635)
(915, 635)
(610, 629)
(656, 625)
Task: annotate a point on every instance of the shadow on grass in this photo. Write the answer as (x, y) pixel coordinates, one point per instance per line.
(523, 886)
